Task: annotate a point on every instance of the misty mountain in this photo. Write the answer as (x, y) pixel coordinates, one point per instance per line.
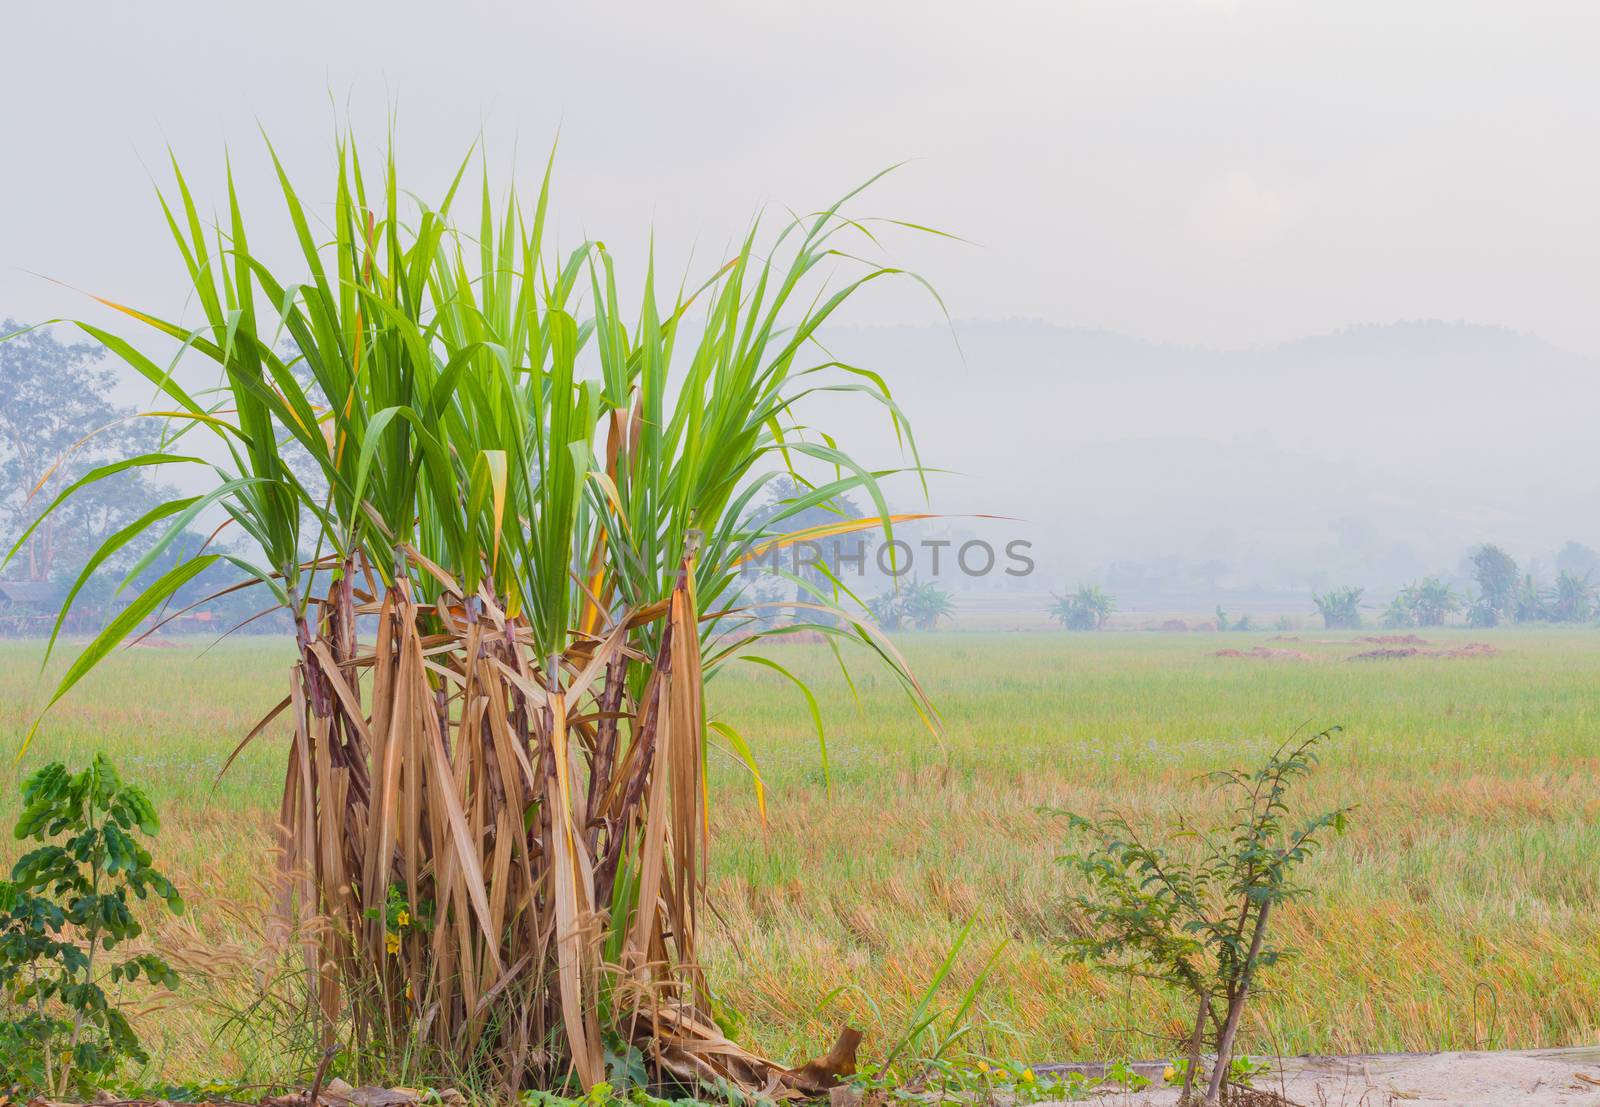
(1367, 455)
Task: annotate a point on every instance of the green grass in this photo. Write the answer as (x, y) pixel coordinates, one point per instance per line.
(1471, 861)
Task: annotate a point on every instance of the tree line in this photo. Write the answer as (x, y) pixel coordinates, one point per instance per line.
(1502, 592)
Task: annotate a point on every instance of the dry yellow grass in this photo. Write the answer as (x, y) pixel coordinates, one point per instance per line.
(1460, 910)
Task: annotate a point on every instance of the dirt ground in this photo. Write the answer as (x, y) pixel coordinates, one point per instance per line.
(1492, 1079)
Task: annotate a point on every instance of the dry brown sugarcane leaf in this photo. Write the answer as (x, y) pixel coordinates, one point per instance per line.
(466, 853)
(652, 854)
(510, 756)
(601, 657)
(506, 824)
(536, 696)
(635, 760)
(320, 954)
(571, 916)
(261, 725)
(472, 770)
(508, 978)
(388, 754)
(689, 822)
(649, 613)
(329, 847)
(383, 666)
(449, 932)
(347, 697)
(692, 1040)
(429, 567)
(446, 672)
(818, 1076)
(282, 923)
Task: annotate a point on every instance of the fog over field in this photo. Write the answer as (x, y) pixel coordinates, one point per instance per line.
(1371, 454)
(1194, 234)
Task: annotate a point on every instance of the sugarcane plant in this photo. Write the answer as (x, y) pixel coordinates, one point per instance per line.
(508, 518)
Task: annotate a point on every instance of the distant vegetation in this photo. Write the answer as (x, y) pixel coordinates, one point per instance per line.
(917, 606)
(1243, 623)
(1425, 603)
(1340, 608)
(1506, 594)
(1086, 609)
(1499, 592)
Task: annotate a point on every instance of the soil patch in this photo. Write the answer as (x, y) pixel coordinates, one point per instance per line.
(1268, 653)
(1471, 649)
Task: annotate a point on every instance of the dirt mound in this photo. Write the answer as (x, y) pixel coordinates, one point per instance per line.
(1268, 653)
(1471, 649)
(1394, 640)
(1386, 653)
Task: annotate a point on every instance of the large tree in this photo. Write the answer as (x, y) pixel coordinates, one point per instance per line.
(1496, 574)
(57, 423)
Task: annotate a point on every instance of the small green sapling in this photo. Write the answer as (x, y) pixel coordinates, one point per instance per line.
(1190, 908)
(65, 909)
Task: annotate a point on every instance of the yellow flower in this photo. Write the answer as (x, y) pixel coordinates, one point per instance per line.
(1027, 1076)
(403, 918)
(983, 1066)
(391, 942)
(1171, 1073)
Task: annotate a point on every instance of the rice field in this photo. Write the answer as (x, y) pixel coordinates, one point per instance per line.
(1459, 911)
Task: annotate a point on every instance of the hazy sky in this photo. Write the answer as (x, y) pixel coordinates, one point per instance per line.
(1225, 173)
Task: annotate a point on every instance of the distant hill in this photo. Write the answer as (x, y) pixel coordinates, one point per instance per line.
(1371, 453)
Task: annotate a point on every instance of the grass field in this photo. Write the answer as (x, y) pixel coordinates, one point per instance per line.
(1462, 909)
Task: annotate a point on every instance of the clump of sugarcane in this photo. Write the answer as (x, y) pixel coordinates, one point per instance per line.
(509, 578)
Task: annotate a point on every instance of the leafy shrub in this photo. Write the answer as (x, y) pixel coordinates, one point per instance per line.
(1425, 603)
(920, 604)
(1340, 608)
(64, 910)
(1086, 609)
(1190, 909)
(1572, 600)
(888, 610)
(1242, 623)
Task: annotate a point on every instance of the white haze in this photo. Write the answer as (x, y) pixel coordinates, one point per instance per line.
(1178, 196)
